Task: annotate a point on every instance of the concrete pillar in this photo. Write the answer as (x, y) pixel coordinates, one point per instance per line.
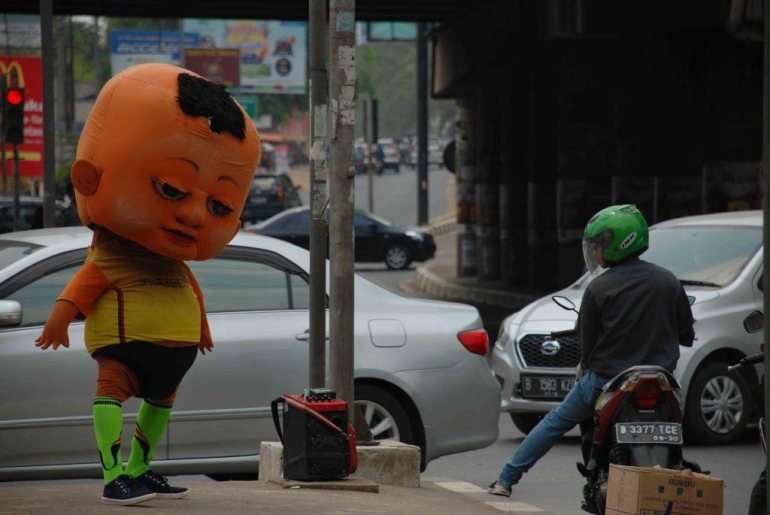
(541, 187)
(514, 154)
(465, 171)
(487, 184)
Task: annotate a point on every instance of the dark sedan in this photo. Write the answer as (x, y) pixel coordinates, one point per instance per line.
(377, 240)
(269, 194)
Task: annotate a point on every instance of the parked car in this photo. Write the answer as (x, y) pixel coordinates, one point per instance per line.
(30, 212)
(376, 239)
(718, 259)
(435, 153)
(421, 371)
(361, 156)
(269, 194)
(391, 157)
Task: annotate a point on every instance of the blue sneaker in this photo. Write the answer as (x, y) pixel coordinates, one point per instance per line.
(160, 486)
(124, 491)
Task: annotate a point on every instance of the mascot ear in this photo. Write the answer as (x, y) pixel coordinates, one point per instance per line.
(85, 177)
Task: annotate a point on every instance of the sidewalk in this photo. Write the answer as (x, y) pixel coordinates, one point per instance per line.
(442, 497)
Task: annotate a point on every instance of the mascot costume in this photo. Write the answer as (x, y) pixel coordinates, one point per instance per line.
(162, 172)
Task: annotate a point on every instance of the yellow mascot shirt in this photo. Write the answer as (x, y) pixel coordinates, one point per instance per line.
(129, 293)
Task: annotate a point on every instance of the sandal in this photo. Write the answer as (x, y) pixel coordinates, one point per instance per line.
(498, 489)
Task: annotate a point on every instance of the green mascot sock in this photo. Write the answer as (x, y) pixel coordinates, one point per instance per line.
(150, 424)
(108, 426)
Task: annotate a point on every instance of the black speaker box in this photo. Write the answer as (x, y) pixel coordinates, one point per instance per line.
(311, 449)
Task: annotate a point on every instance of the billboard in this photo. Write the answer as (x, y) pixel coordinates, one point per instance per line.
(273, 53)
(20, 31)
(29, 71)
(219, 65)
(131, 47)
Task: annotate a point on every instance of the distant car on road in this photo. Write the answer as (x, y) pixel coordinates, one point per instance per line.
(718, 259)
(269, 194)
(30, 212)
(376, 239)
(421, 374)
(391, 159)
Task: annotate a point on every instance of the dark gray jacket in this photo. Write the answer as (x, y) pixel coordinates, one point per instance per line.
(635, 313)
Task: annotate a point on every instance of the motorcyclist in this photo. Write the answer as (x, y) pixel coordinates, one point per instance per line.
(632, 313)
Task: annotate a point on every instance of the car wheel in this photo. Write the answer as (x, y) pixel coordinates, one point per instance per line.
(384, 415)
(397, 169)
(718, 406)
(525, 422)
(397, 257)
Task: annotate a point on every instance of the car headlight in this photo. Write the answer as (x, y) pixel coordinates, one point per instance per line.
(414, 235)
(502, 333)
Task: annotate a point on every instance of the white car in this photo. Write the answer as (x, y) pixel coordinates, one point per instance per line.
(421, 371)
(718, 258)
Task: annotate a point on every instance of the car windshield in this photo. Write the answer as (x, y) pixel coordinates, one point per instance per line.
(701, 255)
(12, 251)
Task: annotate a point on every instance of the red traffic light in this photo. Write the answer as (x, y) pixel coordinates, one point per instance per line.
(14, 96)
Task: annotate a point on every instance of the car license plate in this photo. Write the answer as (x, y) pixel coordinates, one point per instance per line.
(546, 387)
(258, 200)
(649, 432)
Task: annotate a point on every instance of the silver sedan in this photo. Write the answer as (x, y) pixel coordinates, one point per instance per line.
(421, 372)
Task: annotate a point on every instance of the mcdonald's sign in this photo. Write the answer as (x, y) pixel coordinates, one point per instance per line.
(29, 73)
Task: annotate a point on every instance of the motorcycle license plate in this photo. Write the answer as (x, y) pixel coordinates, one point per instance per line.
(546, 387)
(649, 432)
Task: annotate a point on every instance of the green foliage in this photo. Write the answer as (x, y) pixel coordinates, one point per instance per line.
(388, 71)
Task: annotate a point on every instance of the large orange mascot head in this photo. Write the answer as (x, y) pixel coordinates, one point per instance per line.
(166, 159)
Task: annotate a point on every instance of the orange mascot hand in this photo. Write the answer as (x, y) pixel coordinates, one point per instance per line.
(55, 330)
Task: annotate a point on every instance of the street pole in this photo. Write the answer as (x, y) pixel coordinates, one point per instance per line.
(766, 222)
(342, 192)
(16, 216)
(422, 125)
(49, 116)
(319, 145)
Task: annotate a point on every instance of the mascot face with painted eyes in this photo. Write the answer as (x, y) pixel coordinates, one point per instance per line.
(166, 160)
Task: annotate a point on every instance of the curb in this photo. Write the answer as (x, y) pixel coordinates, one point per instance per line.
(442, 225)
(435, 285)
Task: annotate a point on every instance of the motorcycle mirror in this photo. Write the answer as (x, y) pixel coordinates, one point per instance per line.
(691, 299)
(755, 322)
(564, 303)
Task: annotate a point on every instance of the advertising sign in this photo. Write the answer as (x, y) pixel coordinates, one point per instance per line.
(20, 31)
(29, 71)
(273, 53)
(131, 47)
(219, 65)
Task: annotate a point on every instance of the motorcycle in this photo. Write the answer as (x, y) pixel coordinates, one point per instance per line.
(637, 422)
(755, 323)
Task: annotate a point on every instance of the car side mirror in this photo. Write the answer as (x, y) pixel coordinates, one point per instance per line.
(564, 303)
(373, 227)
(10, 313)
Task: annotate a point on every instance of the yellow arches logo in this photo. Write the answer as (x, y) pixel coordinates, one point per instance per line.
(6, 68)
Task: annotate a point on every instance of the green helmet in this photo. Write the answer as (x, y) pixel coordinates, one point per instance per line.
(620, 230)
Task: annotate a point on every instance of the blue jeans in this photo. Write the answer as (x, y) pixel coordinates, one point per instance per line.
(577, 406)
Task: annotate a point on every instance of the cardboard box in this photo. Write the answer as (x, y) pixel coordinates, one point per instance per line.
(659, 491)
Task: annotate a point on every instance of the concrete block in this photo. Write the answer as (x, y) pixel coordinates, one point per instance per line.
(390, 463)
(270, 461)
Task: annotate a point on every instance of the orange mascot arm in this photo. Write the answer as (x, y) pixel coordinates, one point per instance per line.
(206, 343)
(77, 299)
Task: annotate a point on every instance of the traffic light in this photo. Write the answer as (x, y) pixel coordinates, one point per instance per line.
(13, 114)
